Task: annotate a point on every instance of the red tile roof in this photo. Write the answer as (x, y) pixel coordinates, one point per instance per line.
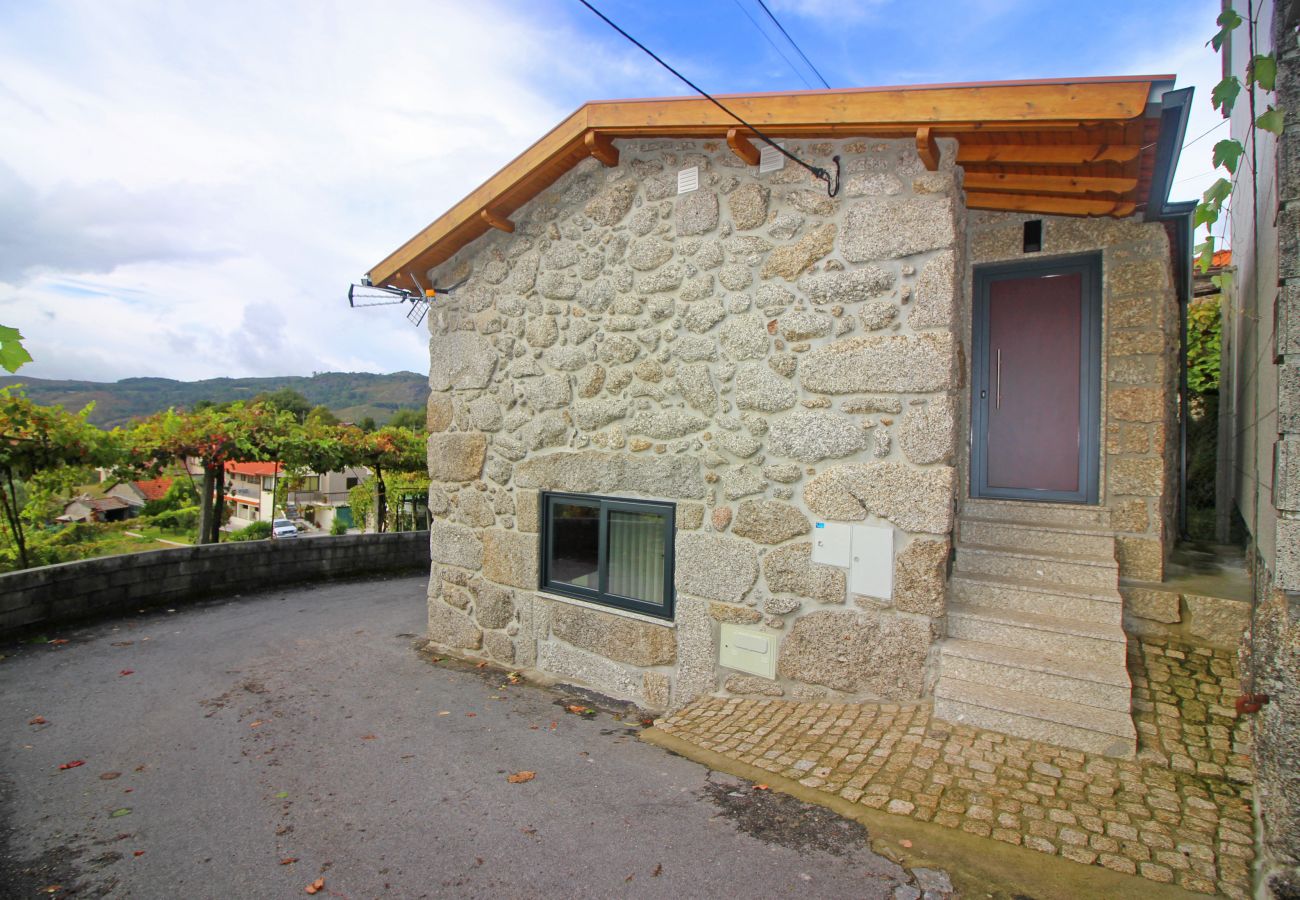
(154, 488)
(1221, 258)
(254, 468)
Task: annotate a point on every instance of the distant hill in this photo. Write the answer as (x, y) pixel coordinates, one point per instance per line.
(350, 395)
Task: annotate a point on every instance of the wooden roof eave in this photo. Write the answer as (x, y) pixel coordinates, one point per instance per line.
(948, 111)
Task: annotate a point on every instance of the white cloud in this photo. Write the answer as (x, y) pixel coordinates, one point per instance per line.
(186, 190)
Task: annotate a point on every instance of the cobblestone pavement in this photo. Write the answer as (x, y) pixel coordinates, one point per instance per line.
(1180, 813)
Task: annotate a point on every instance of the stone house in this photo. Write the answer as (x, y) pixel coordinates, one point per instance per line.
(703, 422)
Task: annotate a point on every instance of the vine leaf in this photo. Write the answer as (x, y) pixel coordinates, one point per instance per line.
(12, 353)
(1206, 214)
(1271, 120)
(1263, 71)
(1225, 93)
(1217, 192)
(1205, 254)
(1227, 153)
(1227, 21)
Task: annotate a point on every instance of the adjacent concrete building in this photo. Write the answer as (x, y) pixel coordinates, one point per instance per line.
(890, 418)
(1261, 397)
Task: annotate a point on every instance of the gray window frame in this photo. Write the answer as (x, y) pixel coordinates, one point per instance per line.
(601, 595)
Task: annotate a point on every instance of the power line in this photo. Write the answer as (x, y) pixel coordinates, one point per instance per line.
(768, 38)
(778, 24)
(832, 184)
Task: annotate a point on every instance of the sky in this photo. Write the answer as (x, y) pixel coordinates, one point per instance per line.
(187, 189)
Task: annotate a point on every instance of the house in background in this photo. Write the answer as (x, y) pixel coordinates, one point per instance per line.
(96, 509)
(895, 418)
(317, 497)
(138, 493)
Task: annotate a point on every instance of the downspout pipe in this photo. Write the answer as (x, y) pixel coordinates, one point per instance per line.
(1175, 109)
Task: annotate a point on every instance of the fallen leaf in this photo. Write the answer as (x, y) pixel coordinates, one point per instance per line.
(445, 712)
(59, 641)
(659, 870)
(288, 860)
(315, 886)
(255, 724)
(554, 725)
(514, 677)
(533, 727)
(368, 737)
(119, 813)
(109, 776)
(52, 889)
(521, 777)
(904, 843)
(127, 672)
(471, 715)
(629, 878)
(137, 853)
(140, 768)
(281, 795)
(72, 765)
(481, 665)
(39, 720)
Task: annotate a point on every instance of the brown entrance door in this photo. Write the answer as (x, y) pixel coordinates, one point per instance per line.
(1035, 378)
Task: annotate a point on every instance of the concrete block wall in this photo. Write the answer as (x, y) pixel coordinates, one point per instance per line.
(53, 595)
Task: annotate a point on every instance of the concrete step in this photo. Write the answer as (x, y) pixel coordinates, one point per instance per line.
(1060, 722)
(1031, 565)
(1049, 635)
(1036, 536)
(1059, 678)
(1088, 604)
(1031, 513)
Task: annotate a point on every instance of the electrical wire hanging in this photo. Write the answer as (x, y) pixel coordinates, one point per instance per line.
(832, 182)
(767, 37)
(796, 47)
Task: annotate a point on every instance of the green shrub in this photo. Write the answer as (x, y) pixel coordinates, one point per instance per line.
(338, 526)
(255, 532)
(183, 519)
(180, 495)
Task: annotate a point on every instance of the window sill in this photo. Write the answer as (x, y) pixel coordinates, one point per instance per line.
(611, 610)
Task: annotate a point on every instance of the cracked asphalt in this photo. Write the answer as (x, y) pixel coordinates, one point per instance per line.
(246, 748)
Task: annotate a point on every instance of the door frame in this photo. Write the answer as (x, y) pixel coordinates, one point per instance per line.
(1088, 267)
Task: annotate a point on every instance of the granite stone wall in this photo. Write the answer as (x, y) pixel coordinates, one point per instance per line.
(1139, 454)
(755, 351)
(49, 596)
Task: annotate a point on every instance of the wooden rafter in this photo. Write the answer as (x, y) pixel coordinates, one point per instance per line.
(927, 147)
(742, 147)
(1046, 154)
(1010, 123)
(1049, 184)
(499, 222)
(600, 146)
(1065, 206)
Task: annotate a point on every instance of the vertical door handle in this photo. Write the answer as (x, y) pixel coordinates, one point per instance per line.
(998, 392)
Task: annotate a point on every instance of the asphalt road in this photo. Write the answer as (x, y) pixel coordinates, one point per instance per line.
(248, 747)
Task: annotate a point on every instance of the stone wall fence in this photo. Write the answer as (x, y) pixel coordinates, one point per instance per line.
(54, 595)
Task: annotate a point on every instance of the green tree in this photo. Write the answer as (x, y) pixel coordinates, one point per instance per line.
(285, 400)
(386, 450)
(321, 415)
(41, 439)
(214, 438)
(414, 419)
(1204, 337)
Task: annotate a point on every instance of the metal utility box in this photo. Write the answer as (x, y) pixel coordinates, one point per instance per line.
(832, 544)
(871, 570)
(748, 650)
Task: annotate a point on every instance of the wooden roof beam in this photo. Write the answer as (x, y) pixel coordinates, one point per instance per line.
(1046, 154)
(927, 148)
(501, 223)
(742, 147)
(1066, 206)
(1048, 184)
(600, 146)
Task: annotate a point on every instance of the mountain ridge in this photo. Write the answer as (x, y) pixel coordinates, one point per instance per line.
(351, 396)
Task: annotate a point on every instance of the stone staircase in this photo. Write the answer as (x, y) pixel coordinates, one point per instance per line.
(1036, 645)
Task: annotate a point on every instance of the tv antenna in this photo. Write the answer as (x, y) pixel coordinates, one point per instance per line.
(365, 294)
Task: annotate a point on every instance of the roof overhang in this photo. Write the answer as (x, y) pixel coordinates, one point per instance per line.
(1077, 147)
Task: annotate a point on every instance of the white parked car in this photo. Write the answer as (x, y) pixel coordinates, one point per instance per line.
(283, 528)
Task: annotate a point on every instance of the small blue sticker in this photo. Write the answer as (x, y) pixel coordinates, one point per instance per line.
(821, 524)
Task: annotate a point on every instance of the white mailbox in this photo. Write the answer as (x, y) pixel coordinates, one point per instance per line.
(871, 570)
(832, 544)
(747, 650)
